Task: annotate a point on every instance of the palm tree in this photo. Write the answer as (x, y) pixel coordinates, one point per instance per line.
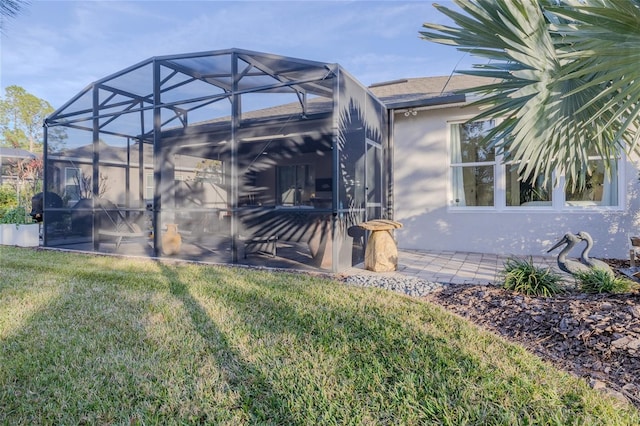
(564, 78)
(9, 9)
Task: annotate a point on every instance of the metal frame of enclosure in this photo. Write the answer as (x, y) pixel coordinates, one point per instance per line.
(257, 158)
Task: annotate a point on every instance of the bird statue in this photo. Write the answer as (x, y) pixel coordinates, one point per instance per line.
(585, 259)
(567, 265)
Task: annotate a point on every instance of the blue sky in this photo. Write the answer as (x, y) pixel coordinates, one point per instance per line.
(56, 48)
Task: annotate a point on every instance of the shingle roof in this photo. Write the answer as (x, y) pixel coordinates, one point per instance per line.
(397, 94)
(15, 153)
(411, 92)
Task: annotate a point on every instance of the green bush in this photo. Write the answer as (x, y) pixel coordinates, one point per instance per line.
(524, 277)
(600, 281)
(8, 198)
(16, 215)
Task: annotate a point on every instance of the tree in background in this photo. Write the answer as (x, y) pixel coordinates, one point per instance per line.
(21, 117)
(25, 180)
(563, 77)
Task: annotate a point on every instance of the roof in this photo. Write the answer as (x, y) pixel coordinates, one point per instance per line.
(422, 91)
(15, 153)
(396, 94)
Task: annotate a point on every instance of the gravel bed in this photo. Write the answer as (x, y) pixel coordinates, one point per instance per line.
(410, 286)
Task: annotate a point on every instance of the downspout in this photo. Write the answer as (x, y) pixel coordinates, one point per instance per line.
(390, 170)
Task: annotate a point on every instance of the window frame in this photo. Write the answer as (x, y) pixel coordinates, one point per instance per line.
(581, 205)
(305, 179)
(462, 165)
(558, 201)
(149, 185)
(77, 184)
(505, 176)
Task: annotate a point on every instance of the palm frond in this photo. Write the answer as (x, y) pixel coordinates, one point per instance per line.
(10, 9)
(603, 41)
(558, 100)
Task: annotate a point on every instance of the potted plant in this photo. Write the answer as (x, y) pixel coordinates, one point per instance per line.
(17, 228)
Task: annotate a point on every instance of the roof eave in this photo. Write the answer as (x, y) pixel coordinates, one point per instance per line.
(428, 102)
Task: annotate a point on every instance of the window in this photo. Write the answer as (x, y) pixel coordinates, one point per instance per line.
(473, 165)
(295, 185)
(72, 178)
(148, 187)
(209, 171)
(526, 192)
(478, 179)
(600, 189)
(149, 183)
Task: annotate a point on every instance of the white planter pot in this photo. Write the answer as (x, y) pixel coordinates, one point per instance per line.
(25, 235)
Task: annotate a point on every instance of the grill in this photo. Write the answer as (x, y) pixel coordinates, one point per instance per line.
(37, 204)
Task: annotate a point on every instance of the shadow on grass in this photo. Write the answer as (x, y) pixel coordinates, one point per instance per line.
(258, 400)
(374, 356)
(67, 363)
(292, 351)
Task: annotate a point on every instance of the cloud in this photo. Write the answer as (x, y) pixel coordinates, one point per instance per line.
(60, 47)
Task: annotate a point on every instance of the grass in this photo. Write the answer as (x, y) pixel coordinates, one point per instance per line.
(101, 340)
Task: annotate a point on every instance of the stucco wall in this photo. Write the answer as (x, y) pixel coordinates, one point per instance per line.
(423, 198)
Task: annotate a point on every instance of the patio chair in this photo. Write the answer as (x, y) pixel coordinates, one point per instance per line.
(114, 225)
(261, 245)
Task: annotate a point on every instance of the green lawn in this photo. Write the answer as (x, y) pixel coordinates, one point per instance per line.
(102, 340)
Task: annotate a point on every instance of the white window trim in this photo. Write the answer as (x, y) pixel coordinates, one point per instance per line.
(622, 199)
(78, 175)
(450, 190)
(500, 188)
(149, 184)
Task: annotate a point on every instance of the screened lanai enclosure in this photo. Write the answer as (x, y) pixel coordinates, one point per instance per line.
(227, 156)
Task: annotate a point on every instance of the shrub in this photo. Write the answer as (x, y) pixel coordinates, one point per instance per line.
(524, 277)
(8, 197)
(600, 281)
(17, 215)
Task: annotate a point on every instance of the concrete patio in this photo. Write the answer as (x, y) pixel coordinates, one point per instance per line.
(452, 267)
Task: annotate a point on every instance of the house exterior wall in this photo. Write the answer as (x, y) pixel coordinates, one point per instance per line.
(112, 181)
(423, 202)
